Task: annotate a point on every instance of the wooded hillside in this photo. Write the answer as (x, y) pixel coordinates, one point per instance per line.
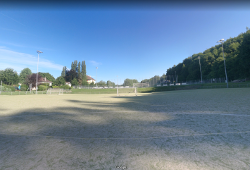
(237, 56)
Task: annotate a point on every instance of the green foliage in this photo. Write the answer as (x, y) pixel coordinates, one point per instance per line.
(42, 88)
(8, 87)
(24, 87)
(9, 76)
(110, 84)
(236, 52)
(63, 74)
(59, 81)
(84, 83)
(84, 73)
(92, 84)
(129, 82)
(48, 76)
(65, 87)
(23, 75)
(70, 75)
(74, 82)
(55, 87)
(101, 83)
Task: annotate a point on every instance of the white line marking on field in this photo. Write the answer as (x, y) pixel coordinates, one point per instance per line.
(233, 115)
(205, 134)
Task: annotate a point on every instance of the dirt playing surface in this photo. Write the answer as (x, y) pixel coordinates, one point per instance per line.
(188, 129)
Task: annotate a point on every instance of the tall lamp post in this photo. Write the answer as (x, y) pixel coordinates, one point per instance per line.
(117, 85)
(96, 76)
(222, 41)
(39, 52)
(200, 67)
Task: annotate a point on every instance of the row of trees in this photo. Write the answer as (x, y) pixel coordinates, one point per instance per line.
(26, 77)
(156, 80)
(237, 56)
(77, 75)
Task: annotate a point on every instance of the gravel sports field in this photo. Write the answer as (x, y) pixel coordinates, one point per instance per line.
(188, 129)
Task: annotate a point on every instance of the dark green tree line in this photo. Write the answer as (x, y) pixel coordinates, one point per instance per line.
(237, 57)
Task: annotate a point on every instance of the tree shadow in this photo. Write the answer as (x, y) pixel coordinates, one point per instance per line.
(137, 132)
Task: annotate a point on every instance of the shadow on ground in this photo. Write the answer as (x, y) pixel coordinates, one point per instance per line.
(155, 131)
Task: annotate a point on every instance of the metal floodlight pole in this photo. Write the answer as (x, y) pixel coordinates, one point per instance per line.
(117, 85)
(222, 41)
(39, 52)
(200, 67)
(96, 76)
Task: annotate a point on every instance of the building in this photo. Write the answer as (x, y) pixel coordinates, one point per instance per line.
(68, 83)
(90, 79)
(44, 80)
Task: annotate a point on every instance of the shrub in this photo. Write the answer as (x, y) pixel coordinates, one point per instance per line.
(42, 88)
(65, 87)
(44, 84)
(24, 87)
(8, 88)
(55, 87)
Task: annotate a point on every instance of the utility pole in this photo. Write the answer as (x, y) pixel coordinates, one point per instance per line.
(96, 76)
(117, 85)
(221, 41)
(39, 52)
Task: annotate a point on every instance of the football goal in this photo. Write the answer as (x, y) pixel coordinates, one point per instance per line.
(121, 91)
(55, 91)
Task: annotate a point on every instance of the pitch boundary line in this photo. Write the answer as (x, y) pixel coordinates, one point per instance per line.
(205, 134)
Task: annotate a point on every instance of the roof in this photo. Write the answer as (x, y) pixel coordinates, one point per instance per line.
(89, 78)
(43, 80)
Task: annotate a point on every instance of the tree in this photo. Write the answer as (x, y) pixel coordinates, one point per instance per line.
(92, 84)
(64, 71)
(48, 76)
(163, 78)
(74, 82)
(24, 73)
(31, 79)
(79, 77)
(59, 81)
(1, 75)
(110, 84)
(9, 76)
(84, 73)
(244, 55)
(129, 82)
(70, 75)
(74, 65)
(101, 83)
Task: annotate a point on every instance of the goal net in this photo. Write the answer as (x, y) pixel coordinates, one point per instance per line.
(55, 91)
(126, 91)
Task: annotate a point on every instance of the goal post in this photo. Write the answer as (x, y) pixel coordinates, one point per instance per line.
(55, 91)
(126, 91)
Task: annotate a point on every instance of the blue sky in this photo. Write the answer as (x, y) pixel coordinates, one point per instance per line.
(127, 42)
